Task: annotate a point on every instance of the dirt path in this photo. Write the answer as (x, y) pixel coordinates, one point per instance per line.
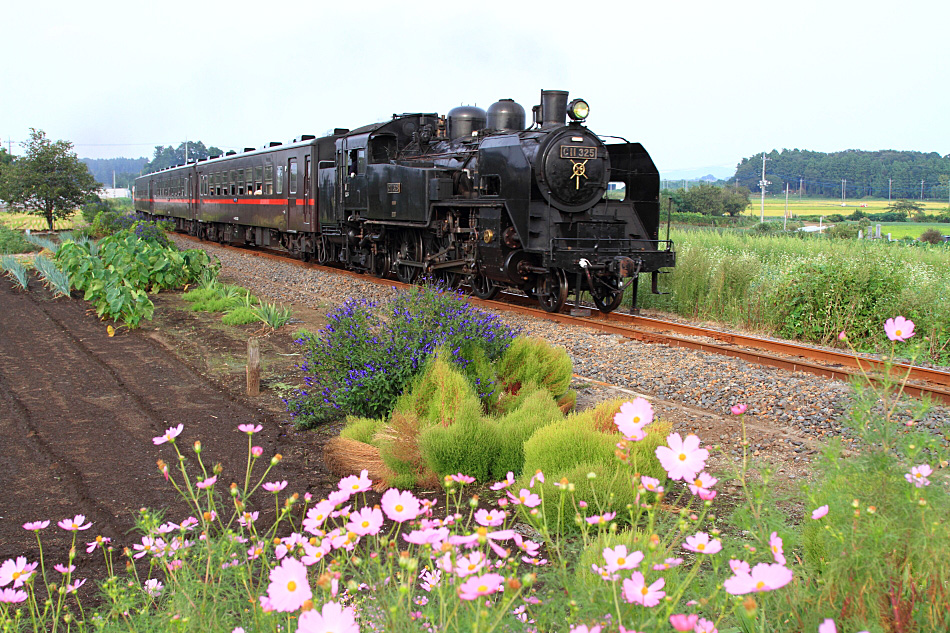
(78, 411)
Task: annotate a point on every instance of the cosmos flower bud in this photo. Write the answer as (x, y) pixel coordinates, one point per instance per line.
(276, 459)
(513, 583)
(198, 446)
(257, 451)
(528, 580)
(218, 468)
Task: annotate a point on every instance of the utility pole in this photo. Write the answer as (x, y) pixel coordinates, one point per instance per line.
(785, 223)
(800, 181)
(762, 185)
(844, 183)
(889, 191)
(921, 189)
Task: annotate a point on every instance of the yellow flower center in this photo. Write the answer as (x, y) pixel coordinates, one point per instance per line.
(16, 575)
(636, 419)
(471, 567)
(482, 588)
(621, 561)
(399, 508)
(682, 457)
(759, 585)
(291, 586)
(365, 524)
(698, 483)
(644, 590)
(700, 547)
(897, 332)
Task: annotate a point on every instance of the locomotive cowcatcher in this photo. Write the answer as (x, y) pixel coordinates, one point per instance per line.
(473, 197)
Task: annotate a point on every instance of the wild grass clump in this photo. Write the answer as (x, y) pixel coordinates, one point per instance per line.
(241, 315)
(13, 241)
(368, 354)
(55, 279)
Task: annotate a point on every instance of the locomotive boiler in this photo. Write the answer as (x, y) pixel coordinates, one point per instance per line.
(476, 197)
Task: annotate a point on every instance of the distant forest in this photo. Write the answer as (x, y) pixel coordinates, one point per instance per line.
(862, 173)
(126, 170)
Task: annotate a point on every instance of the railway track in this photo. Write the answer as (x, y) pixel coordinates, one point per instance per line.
(922, 381)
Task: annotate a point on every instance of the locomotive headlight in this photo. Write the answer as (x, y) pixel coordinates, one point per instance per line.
(578, 110)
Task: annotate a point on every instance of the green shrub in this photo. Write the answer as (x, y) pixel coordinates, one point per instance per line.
(241, 315)
(12, 242)
(536, 409)
(467, 446)
(557, 447)
(536, 361)
(361, 429)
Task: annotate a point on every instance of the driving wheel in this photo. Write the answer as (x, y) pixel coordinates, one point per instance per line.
(552, 290)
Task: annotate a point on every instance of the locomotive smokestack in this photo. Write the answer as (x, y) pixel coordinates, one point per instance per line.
(553, 107)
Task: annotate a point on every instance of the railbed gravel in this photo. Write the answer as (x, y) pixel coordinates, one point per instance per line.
(691, 382)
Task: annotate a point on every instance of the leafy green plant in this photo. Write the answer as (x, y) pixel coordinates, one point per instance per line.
(272, 315)
(13, 241)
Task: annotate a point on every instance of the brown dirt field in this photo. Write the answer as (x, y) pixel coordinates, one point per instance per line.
(78, 411)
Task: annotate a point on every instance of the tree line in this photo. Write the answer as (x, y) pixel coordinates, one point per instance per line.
(878, 174)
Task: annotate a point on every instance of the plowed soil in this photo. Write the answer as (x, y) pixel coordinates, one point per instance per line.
(79, 409)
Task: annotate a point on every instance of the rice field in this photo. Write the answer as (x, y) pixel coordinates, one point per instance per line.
(23, 221)
(775, 206)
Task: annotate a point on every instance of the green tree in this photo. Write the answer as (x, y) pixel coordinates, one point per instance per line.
(906, 208)
(734, 200)
(49, 180)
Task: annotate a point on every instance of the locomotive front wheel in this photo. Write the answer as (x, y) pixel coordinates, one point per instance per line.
(381, 264)
(483, 287)
(552, 290)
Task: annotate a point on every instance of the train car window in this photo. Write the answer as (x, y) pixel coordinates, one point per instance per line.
(382, 149)
(616, 191)
(491, 185)
(268, 178)
(326, 164)
(217, 184)
(258, 180)
(361, 160)
(292, 168)
(204, 184)
(234, 181)
(240, 176)
(306, 175)
(280, 179)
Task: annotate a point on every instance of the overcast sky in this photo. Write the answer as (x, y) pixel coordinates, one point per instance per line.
(700, 84)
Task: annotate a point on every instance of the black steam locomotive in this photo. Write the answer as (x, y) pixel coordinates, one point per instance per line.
(474, 196)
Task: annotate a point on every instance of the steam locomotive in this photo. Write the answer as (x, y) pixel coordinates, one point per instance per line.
(475, 197)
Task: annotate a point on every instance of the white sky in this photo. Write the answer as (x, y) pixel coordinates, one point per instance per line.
(700, 84)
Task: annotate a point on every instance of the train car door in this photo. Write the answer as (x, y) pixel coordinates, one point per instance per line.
(151, 196)
(191, 193)
(307, 193)
(290, 213)
(354, 174)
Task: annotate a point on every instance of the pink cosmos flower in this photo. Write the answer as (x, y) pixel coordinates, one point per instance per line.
(432, 536)
(100, 541)
(63, 569)
(817, 513)
(207, 483)
(702, 486)
(170, 435)
(683, 622)
(490, 518)
(400, 506)
(11, 596)
(582, 628)
(365, 522)
(701, 544)
(632, 417)
(764, 577)
(332, 618)
(288, 588)
(682, 459)
(35, 525)
(601, 519)
(706, 626)
(538, 476)
(604, 573)
(471, 564)
(899, 329)
(618, 558)
(250, 429)
(525, 497)
(828, 626)
(480, 586)
(667, 564)
(257, 451)
(775, 546)
(510, 479)
(274, 486)
(636, 590)
(462, 479)
(842, 335)
(738, 566)
(652, 484)
(354, 484)
(317, 515)
(430, 579)
(154, 587)
(75, 523)
(918, 475)
(16, 571)
(738, 409)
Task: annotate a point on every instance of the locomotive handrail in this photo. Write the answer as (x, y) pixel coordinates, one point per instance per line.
(601, 244)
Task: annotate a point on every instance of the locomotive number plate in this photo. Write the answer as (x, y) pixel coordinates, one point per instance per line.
(393, 187)
(578, 152)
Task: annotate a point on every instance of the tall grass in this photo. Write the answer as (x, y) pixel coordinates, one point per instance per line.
(807, 288)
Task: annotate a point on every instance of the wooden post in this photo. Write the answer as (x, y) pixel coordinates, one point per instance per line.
(253, 367)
